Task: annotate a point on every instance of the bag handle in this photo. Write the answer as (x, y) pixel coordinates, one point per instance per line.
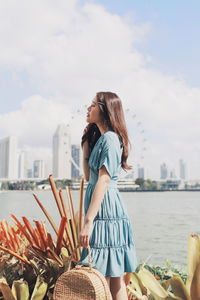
(89, 255)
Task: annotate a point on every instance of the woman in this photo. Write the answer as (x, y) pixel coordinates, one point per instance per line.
(106, 228)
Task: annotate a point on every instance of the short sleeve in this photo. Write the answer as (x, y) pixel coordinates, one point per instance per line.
(109, 156)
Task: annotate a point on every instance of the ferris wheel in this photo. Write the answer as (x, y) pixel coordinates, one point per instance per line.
(76, 124)
(137, 135)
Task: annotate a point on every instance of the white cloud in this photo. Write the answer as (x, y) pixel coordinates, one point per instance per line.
(35, 123)
(71, 51)
(66, 45)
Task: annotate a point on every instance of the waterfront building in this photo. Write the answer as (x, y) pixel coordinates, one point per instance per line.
(22, 165)
(62, 152)
(130, 175)
(170, 184)
(8, 157)
(182, 169)
(123, 184)
(38, 169)
(163, 171)
(75, 164)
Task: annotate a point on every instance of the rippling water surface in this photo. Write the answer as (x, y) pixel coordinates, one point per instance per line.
(162, 221)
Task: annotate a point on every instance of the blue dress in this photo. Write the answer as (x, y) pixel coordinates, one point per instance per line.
(112, 245)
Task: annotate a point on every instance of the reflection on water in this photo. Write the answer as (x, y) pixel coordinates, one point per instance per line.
(162, 221)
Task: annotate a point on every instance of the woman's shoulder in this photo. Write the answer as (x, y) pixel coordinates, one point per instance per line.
(109, 135)
(110, 138)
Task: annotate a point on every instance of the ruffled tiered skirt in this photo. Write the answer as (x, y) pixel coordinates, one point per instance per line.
(112, 243)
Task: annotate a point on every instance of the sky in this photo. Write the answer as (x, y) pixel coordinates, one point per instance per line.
(55, 55)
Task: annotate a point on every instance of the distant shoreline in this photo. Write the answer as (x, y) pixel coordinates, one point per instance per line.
(120, 190)
(181, 190)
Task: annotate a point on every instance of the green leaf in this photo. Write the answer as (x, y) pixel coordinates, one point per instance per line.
(193, 258)
(178, 288)
(20, 290)
(137, 284)
(153, 285)
(40, 289)
(195, 285)
(6, 290)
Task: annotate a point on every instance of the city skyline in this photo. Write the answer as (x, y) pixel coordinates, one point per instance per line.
(45, 81)
(66, 161)
(66, 157)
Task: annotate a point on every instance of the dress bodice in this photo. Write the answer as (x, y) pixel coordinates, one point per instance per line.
(106, 152)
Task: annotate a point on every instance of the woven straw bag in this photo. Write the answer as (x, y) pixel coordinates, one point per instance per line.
(82, 283)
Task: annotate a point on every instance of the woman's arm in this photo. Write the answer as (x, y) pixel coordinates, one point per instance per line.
(86, 154)
(96, 200)
(98, 194)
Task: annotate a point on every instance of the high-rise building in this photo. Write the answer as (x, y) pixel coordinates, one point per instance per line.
(75, 165)
(62, 152)
(172, 174)
(8, 157)
(30, 173)
(163, 171)
(22, 165)
(182, 169)
(38, 169)
(140, 172)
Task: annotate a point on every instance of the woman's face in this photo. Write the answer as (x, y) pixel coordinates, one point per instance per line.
(93, 114)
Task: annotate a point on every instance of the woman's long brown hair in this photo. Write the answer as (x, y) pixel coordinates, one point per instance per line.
(112, 115)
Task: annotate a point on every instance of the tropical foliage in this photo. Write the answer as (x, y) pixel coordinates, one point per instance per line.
(159, 283)
(31, 260)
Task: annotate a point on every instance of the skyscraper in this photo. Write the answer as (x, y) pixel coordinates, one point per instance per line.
(182, 169)
(22, 165)
(172, 174)
(29, 173)
(140, 172)
(62, 152)
(8, 157)
(38, 169)
(75, 166)
(163, 171)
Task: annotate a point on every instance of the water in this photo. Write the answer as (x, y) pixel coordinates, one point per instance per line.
(162, 221)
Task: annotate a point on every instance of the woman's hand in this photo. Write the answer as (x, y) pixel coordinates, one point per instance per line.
(85, 233)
